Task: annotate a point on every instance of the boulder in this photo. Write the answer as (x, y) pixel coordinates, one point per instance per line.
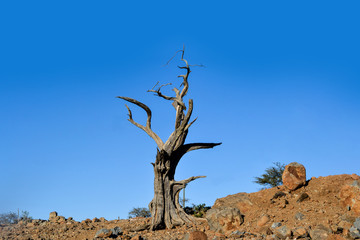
(224, 219)
(350, 196)
(53, 216)
(294, 176)
(103, 233)
(240, 201)
(299, 216)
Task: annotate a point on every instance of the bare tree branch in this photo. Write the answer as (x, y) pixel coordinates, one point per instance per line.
(182, 50)
(195, 146)
(146, 128)
(189, 125)
(176, 99)
(186, 181)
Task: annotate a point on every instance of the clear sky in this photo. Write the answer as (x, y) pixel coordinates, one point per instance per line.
(281, 84)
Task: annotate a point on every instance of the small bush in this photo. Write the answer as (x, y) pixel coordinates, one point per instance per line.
(25, 216)
(197, 210)
(200, 210)
(272, 176)
(8, 218)
(12, 217)
(139, 212)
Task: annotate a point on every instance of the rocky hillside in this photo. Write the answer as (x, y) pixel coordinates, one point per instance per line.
(319, 208)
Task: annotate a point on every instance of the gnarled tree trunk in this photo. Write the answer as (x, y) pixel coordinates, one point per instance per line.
(165, 209)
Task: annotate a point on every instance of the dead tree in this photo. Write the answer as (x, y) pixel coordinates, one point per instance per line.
(165, 208)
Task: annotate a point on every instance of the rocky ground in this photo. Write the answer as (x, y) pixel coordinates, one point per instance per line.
(322, 208)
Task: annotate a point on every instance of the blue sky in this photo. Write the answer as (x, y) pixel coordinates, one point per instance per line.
(281, 84)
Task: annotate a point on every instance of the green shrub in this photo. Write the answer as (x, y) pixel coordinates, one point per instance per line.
(272, 176)
(139, 212)
(200, 210)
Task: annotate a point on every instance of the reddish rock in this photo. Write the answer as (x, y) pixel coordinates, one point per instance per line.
(350, 196)
(196, 235)
(355, 176)
(61, 219)
(88, 220)
(53, 216)
(263, 221)
(319, 234)
(137, 237)
(294, 176)
(224, 219)
(282, 232)
(240, 201)
(335, 237)
(300, 232)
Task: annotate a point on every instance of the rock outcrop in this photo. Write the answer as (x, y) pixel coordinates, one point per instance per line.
(350, 196)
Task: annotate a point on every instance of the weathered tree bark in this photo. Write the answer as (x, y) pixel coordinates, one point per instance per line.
(165, 208)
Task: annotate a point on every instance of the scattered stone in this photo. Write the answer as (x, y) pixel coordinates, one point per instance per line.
(237, 233)
(96, 220)
(294, 176)
(116, 231)
(299, 216)
(103, 233)
(350, 196)
(319, 234)
(302, 197)
(195, 235)
(137, 237)
(224, 219)
(300, 232)
(357, 223)
(263, 221)
(102, 219)
(335, 237)
(354, 232)
(282, 232)
(86, 221)
(276, 224)
(61, 219)
(278, 195)
(139, 228)
(271, 237)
